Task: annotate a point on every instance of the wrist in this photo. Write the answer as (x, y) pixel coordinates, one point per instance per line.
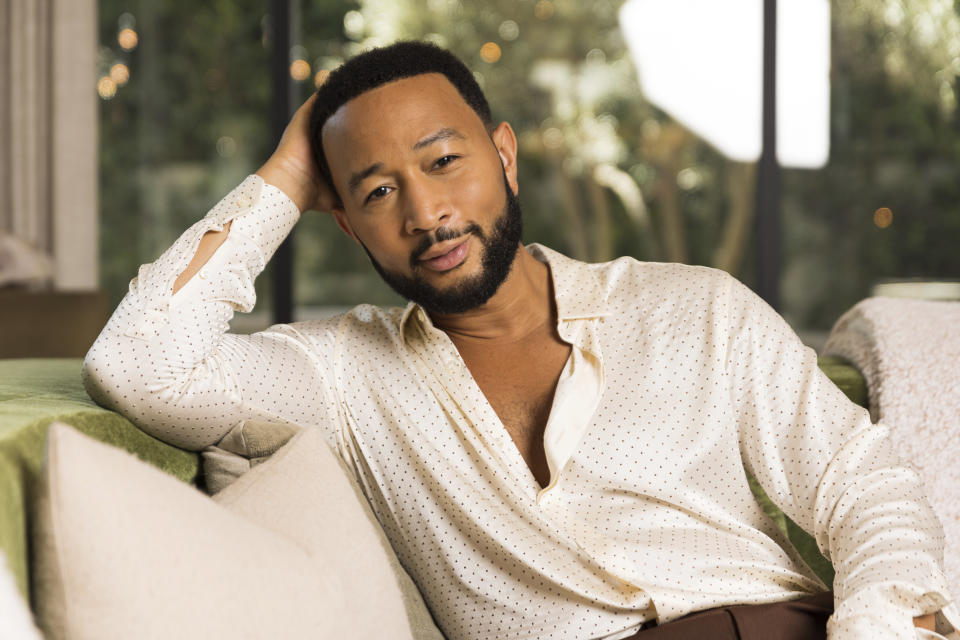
(275, 173)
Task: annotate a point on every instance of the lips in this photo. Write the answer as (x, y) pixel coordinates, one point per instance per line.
(444, 259)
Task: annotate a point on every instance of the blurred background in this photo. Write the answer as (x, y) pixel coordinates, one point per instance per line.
(186, 105)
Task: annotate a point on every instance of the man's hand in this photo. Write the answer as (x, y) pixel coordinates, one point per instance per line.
(292, 170)
(291, 167)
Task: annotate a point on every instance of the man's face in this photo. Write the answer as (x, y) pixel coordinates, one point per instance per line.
(427, 192)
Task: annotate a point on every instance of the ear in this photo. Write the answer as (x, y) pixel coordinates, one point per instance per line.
(341, 217)
(505, 140)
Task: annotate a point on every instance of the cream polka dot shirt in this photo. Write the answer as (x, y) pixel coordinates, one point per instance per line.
(679, 378)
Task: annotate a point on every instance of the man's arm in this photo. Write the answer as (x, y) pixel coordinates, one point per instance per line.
(836, 474)
(165, 359)
(292, 170)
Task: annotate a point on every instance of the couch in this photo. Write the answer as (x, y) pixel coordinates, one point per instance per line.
(34, 393)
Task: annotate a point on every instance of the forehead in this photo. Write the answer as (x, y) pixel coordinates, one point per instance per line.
(393, 117)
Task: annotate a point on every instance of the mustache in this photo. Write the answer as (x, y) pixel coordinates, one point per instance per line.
(443, 234)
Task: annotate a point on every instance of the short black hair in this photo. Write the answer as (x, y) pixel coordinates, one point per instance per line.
(380, 66)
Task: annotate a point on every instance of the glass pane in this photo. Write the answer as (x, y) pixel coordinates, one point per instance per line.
(887, 205)
(604, 173)
(559, 73)
(331, 273)
(184, 118)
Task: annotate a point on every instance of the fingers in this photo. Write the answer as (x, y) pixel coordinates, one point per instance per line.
(326, 198)
(303, 111)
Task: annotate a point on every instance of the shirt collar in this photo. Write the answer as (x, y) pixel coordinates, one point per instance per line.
(577, 289)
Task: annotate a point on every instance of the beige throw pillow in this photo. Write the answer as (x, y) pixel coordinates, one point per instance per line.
(305, 491)
(123, 550)
(244, 447)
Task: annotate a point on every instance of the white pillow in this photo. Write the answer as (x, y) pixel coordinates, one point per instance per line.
(245, 446)
(123, 550)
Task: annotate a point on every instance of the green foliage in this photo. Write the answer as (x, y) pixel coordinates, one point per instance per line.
(895, 143)
(198, 77)
(564, 80)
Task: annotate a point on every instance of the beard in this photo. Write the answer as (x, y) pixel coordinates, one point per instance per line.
(499, 251)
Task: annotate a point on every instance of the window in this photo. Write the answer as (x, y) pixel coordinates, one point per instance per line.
(185, 116)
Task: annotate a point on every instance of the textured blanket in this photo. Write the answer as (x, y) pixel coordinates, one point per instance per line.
(909, 353)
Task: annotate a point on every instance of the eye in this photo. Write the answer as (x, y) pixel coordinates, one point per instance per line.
(377, 193)
(445, 160)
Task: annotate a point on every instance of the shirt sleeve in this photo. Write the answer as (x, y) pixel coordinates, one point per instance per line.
(166, 361)
(837, 475)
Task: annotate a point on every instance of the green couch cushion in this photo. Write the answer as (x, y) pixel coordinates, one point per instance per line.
(34, 393)
(847, 377)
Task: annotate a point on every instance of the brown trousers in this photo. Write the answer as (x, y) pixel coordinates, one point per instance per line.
(803, 619)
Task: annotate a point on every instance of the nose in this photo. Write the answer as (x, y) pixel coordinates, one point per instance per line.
(426, 207)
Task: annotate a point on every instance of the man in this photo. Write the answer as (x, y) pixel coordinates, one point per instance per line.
(555, 449)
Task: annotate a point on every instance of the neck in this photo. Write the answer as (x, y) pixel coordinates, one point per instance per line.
(522, 304)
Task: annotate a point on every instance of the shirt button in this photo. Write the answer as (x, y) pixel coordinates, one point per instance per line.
(243, 202)
(202, 274)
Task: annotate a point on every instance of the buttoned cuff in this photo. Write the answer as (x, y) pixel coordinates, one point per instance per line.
(948, 622)
(262, 216)
(260, 211)
(887, 611)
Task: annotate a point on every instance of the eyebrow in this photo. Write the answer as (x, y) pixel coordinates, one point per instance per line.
(443, 134)
(446, 133)
(360, 176)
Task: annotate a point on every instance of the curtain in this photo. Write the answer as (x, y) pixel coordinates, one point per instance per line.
(48, 133)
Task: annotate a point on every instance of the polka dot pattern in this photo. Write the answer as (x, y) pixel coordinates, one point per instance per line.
(649, 514)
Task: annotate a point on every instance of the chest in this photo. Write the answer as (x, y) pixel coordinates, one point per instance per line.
(518, 380)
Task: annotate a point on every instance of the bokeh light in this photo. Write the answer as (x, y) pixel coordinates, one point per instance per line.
(354, 24)
(299, 70)
(596, 56)
(128, 39)
(320, 77)
(553, 138)
(509, 30)
(543, 10)
(106, 87)
(490, 52)
(226, 146)
(120, 74)
(689, 179)
(883, 217)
